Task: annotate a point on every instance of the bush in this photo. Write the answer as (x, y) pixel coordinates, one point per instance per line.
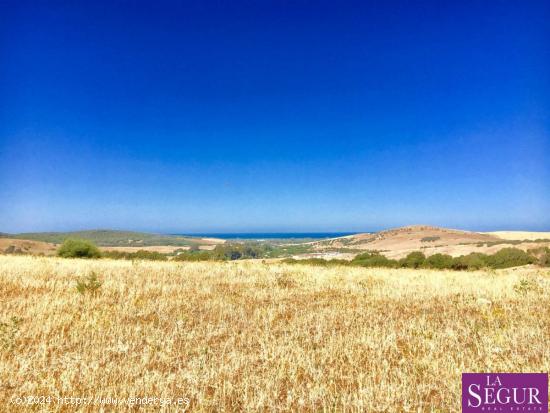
(509, 257)
(439, 261)
(415, 259)
(237, 251)
(194, 248)
(116, 255)
(526, 286)
(89, 284)
(194, 256)
(430, 239)
(78, 248)
(138, 255)
(148, 255)
(373, 259)
(473, 261)
(12, 249)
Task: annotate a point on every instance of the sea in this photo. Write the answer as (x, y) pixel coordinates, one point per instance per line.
(269, 235)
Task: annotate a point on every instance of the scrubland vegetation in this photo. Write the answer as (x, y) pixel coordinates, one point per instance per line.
(505, 258)
(80, 248)
(238, 336)
(138, 255)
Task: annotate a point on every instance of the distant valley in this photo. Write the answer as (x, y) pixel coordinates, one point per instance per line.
(393, 243)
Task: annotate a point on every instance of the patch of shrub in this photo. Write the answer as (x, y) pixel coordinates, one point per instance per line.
(194, 256)
(509, 257)
(415, 259)
(227, 251)
(89, 284)
(439, 261)
(542, 254)
(506, 241)
(374, 259)
(8, 333)
(237, 251)
(138, 255)
(78, 248)
(544, 259)
(12, 249)
(472, 261)
(526, 286)
(115, 255)
(430, 239)
(149, 255)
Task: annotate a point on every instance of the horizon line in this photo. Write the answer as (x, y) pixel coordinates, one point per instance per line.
(249, 232)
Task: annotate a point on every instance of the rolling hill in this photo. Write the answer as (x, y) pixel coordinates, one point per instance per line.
(112, 238)
(398, 242)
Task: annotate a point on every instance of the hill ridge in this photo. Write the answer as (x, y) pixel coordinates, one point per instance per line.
(108, 238)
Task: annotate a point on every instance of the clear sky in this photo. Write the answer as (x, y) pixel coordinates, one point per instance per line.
(184, 116)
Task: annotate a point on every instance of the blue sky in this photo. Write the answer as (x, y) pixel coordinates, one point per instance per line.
(274, 116)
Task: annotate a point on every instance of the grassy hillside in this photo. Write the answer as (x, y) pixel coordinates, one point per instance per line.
(108, 238)
(256, 337)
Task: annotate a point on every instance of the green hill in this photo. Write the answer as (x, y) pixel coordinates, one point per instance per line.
(108, 238)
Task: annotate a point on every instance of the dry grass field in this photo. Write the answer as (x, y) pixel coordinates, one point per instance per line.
(249, 336)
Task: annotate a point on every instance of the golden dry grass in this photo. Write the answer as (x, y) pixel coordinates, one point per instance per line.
(265, 337)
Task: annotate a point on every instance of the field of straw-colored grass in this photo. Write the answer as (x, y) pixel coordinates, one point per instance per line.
(269, 337)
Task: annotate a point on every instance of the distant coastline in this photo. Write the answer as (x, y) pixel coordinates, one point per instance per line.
(268, 235)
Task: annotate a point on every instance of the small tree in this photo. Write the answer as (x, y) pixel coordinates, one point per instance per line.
(78, 248)
(415, 259)
(472, 261)
(439, 261)
(194, 248)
